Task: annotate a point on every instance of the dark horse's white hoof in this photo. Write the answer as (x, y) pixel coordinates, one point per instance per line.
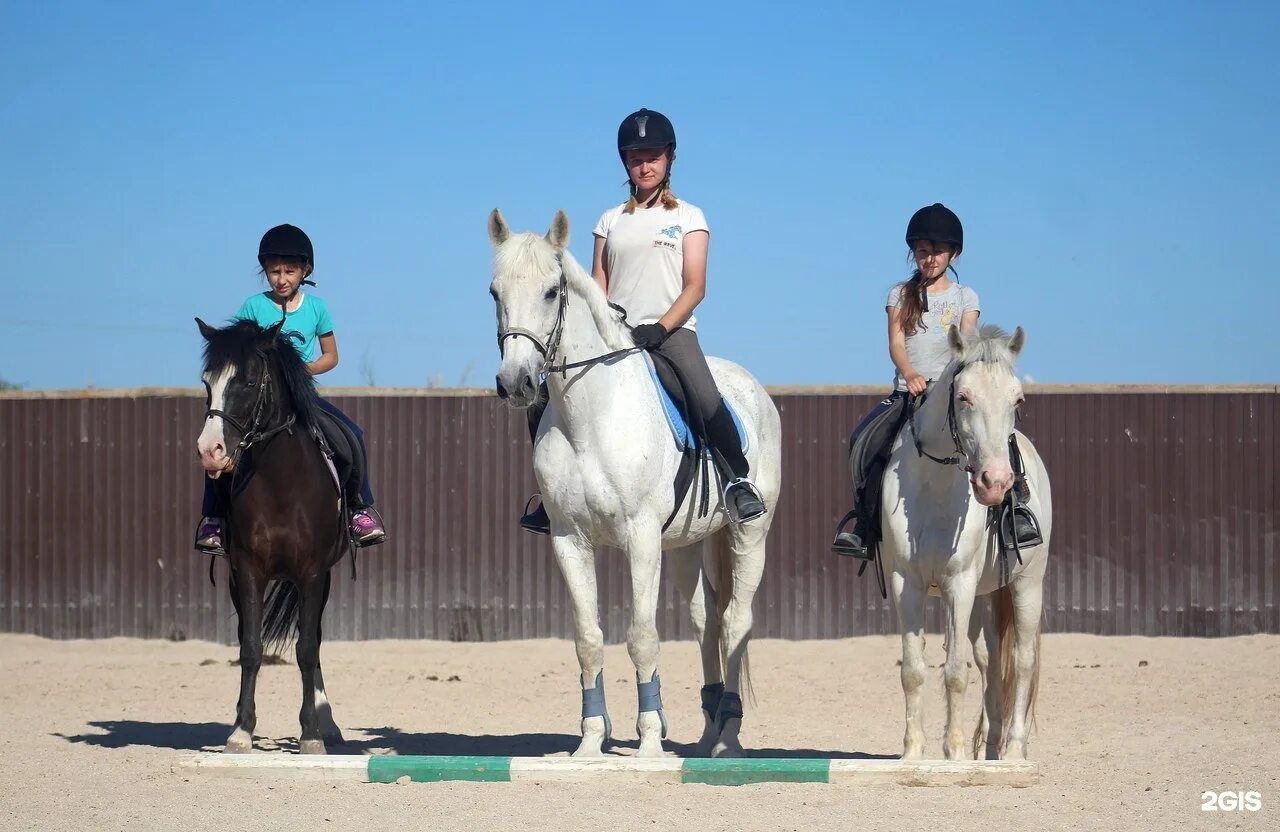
(311, 747)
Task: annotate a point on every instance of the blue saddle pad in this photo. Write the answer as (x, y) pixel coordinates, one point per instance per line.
(680, 430)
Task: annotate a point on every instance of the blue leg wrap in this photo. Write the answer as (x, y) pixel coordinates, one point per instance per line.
(650, 693)
(730, 708)
(711, 698)
(593, 704)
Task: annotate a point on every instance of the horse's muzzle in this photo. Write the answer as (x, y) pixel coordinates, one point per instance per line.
(521, 392)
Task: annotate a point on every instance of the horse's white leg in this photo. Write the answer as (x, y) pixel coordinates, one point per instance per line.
(644, 553)
(1028, 600)
(986, 657)
(686, 567)
(909, 596)
(577, 561)
(747, 547)
(957, 595)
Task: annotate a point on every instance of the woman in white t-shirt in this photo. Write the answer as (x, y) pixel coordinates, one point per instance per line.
(651, 260)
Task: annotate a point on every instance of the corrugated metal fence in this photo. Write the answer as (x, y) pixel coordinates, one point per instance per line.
(1166, 520)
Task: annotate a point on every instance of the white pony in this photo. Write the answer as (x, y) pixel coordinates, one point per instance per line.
(605, 460)
(937, 540)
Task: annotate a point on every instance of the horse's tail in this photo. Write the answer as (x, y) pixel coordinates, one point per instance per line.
(1002, 609)
(724, 594)
(280, 620)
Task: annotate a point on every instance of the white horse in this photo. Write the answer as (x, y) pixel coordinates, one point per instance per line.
(949, 465)
(605, 460)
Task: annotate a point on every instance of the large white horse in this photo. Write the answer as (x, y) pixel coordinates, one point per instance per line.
(605, 460)
(950, 464)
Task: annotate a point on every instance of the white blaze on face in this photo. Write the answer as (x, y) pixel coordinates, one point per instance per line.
(211, 443)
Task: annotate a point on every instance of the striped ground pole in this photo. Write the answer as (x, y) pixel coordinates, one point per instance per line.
(716, 772)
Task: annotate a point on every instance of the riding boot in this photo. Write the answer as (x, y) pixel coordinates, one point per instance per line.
(1026, 529)
(536, 521)
(741, 499)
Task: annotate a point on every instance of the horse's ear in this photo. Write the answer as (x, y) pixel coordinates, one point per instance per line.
(1017, 342)
(558, 236)
(271, 333)
(954, 339)
(498, 230)
(205, 330)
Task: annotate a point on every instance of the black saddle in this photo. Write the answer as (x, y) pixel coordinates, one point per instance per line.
(340, 444)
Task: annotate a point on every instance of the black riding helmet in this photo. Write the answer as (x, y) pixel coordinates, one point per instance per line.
(645, 129)
(287, 241)
(938, 223)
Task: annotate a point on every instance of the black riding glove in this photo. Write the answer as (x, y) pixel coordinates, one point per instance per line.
(649, 336)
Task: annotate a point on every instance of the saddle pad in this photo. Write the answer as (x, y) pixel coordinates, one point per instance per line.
(680, 430)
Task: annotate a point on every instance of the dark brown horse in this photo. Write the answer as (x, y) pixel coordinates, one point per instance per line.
(284, 522)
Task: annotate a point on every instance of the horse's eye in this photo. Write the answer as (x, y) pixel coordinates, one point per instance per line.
(550, 294)
(964, 399)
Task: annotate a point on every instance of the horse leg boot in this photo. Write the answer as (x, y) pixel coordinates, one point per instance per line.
(645, 556)
(741, 499)
(742, 558)
(577, 562)
(687, 573)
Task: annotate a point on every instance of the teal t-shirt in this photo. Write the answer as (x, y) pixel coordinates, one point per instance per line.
(304, 325)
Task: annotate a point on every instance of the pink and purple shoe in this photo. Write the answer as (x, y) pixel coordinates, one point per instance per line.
(366, 525)
(209, 537)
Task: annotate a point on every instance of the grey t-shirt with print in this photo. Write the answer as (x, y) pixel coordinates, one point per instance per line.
(927, 347)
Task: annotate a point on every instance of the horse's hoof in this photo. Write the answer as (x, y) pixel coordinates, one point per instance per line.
(311, 747)
(650, 749)
(589, 748)
(240, 742)
(727, 750)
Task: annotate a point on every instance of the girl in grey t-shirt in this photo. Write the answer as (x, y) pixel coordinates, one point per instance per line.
(921, 310)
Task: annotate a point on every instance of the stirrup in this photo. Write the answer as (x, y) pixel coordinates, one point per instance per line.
(849, 544)
(536, 521)
(752, 512)
(1011, 515)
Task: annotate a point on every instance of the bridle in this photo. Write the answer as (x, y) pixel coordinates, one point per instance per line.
(550, 348)
(251, 434)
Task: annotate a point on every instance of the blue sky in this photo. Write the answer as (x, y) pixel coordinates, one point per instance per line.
(1114, 165)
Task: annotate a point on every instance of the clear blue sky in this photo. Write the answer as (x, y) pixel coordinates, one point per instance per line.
(1114, 164)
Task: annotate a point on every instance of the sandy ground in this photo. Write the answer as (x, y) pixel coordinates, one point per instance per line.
(88, 731)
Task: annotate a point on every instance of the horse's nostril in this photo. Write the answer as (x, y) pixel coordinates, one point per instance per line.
(526, 387)
(501, 388)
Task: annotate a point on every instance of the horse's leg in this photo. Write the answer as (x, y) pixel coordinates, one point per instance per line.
(986, 657)
(909, 596)
(644, 554)
(957, 596)
(741, 567)
(329, 730)
(247, 588)
(686, 567)
(1028, 599)
(577, 562)
(311, 605)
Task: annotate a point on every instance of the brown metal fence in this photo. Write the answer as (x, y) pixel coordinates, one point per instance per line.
(1166, 519)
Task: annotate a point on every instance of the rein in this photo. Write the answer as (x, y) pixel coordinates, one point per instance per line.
(951, 425)
(551, 347)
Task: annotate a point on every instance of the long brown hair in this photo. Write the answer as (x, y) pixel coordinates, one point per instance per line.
(669, 200)
(911, 303)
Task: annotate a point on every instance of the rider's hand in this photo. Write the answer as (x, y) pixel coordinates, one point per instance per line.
(649, 336)
(916, 384)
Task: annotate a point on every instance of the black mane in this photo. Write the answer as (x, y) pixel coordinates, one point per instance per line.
(236, 345)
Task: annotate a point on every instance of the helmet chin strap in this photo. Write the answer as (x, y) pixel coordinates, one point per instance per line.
(924, 292)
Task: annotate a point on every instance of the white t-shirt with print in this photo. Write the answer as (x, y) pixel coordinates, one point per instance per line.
(644, 258)
(927, 348)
